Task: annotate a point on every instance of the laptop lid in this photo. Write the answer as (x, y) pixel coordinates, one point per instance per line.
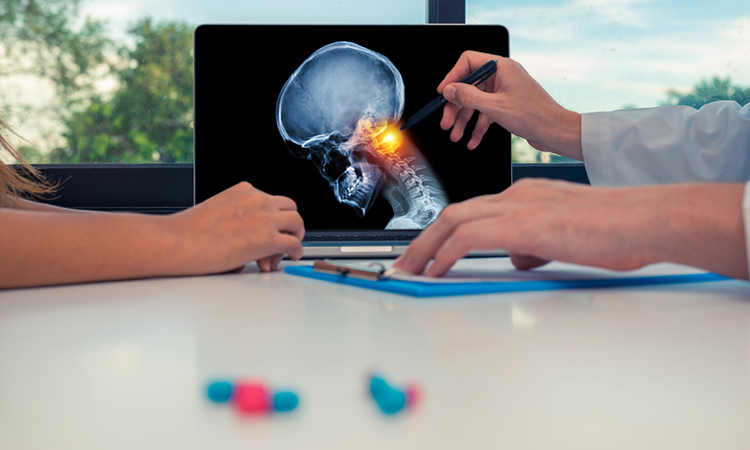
(312, 112)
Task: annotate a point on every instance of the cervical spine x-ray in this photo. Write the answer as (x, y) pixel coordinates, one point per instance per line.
(341, 108)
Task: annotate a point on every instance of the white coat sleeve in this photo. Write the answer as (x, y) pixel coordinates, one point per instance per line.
(668, 144)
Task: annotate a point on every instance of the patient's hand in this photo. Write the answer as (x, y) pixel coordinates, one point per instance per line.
(240, 225)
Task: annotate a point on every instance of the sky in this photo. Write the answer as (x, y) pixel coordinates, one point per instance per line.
(595, 55)
(591, 55)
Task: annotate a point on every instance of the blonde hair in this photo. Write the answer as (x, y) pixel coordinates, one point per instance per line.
(27, 182)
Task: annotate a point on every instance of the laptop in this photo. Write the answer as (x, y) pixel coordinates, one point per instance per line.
(313, 112)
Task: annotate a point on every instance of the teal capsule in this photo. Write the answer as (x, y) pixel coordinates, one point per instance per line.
(285, 401)
(219, 391)
(378, 385)
(388, 399)
(391, 401)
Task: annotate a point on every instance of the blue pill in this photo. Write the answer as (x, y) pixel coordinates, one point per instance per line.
(285, 401)
(378, 386)
(220, 391)
(391, 401)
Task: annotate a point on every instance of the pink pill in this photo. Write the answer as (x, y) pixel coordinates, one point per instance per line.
(251, 397)
(413, 394)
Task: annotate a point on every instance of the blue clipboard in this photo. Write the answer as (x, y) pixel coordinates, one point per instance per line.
(422, 289)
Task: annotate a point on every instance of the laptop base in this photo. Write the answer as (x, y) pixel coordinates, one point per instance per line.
(379, 251)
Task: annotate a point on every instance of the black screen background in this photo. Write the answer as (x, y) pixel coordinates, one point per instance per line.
(241, 69)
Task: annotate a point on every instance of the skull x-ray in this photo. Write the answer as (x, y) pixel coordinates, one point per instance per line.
(340, 109)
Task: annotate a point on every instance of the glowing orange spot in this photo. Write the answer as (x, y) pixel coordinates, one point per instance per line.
(382, 137)
(388, 140)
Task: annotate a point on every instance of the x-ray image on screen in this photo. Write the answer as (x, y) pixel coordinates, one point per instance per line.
(341, 110)
(313, 113)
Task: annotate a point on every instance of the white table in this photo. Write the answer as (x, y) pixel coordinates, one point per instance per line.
(124, 365)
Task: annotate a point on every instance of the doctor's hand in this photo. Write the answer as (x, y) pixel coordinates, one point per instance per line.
(540, 220)
(237, 226)
(514, 100)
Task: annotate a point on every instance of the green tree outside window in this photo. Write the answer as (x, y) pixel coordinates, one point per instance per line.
(150, 117)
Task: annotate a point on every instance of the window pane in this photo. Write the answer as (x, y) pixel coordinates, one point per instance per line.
(111, 80)
(598, 55)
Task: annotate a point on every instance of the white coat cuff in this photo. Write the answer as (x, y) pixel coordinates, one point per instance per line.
(596, 144)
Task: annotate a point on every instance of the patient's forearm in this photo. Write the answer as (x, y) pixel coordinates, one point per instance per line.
(58, 246)
(51, 247)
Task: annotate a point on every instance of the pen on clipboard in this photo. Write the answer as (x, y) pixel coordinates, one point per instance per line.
(372, 271)
(475, 78)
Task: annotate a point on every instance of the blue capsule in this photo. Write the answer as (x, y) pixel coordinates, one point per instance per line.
(391, 401)
(219, 391)
(388, 399)
(223, 391)
(378, 386)
(285, 401)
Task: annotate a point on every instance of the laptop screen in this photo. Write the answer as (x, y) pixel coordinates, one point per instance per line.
(313, 112)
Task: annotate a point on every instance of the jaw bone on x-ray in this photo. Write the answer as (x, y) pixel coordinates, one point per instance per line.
(340, 108)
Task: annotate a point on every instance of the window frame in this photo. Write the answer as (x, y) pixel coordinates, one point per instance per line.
(163, 188)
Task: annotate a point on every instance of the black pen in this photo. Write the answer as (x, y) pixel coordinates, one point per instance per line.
(476, 78)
